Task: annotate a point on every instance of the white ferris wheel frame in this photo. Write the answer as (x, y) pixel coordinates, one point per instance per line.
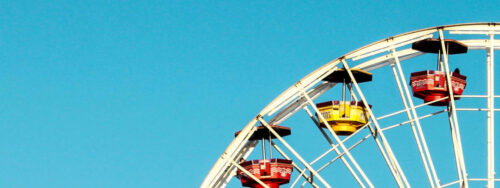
(387, 52)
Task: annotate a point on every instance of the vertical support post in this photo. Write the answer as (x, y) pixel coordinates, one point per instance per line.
(343, 90)
(399, 175)
(270, 148)
(416, 128)
(454, 123)
(491, 112)
(263, 149)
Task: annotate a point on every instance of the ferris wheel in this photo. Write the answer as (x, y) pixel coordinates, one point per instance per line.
(416, 109)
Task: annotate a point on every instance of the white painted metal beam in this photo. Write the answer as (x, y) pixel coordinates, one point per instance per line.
(453, 118)
(396, 170)
(490, 62)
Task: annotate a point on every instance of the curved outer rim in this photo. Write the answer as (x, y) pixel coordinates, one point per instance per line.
(222, 170)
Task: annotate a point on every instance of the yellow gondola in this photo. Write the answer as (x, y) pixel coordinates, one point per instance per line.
(345, 117)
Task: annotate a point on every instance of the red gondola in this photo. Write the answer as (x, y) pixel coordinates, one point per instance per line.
(431, 85)
(272, 172)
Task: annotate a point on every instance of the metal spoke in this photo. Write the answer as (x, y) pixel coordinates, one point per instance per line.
(339, 156)
(335, 148)
(397, 172)
(337, 145)
(292, 150)
(249, 174)
(416, 128)
(491, 112)
(382, 149)
(302, 172)
(453, 118)
(341, 144)
(418, 118)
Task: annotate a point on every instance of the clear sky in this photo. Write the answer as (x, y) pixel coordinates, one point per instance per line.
(149, 93)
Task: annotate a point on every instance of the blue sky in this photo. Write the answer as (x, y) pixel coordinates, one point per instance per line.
(149, 93)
